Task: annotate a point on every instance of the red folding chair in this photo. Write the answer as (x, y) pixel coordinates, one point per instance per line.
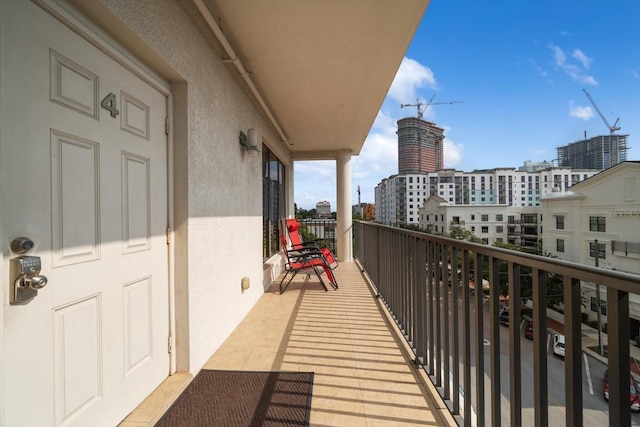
(293, 227)
(304, 259)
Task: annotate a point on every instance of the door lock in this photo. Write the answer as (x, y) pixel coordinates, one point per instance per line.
(27, 279)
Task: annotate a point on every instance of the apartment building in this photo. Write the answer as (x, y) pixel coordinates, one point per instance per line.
(399, 197)
(597, 222)
(599, 152)
(364, 210)
(323, 209)
(515, 225)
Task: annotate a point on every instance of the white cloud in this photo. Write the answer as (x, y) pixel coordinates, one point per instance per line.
(542, 71)
(584, 59)
(410, 76)
(558, 55)
(572, 70)
(378, 158)
(452, 153)
(582, 113)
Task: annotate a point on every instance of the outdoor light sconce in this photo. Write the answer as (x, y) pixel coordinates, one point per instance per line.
(249, 142)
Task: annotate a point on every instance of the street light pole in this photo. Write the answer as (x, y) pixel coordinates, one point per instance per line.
(599, 306)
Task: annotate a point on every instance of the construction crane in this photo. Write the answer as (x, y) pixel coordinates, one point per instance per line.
(615, 126)
(419, 105)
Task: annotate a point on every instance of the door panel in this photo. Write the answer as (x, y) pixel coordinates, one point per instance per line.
(83, 173)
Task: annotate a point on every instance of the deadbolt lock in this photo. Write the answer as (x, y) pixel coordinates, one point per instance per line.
(26, 277)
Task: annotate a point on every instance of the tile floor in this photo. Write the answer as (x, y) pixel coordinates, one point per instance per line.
(363, 371)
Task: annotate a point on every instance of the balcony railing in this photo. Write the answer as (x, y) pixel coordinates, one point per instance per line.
(444, 322)
(318, 228)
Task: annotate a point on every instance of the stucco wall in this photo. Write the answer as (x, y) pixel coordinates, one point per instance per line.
(218, 186)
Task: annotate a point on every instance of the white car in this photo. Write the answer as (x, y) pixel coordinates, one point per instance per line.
(558, 345)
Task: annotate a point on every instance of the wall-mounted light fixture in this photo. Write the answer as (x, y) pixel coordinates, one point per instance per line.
(249, 142)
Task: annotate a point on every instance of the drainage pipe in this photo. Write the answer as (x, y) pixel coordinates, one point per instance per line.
(217, 31)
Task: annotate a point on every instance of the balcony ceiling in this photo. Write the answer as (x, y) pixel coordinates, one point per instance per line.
(323, 67)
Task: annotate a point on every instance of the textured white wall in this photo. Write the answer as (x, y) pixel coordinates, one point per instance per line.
(218, 186)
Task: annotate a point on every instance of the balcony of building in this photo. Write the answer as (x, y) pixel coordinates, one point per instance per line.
(404, 341)
(364, 374)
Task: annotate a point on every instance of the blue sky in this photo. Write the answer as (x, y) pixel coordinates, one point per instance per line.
(519, 68)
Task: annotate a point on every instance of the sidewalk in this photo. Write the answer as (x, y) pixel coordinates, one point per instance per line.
(555, 324)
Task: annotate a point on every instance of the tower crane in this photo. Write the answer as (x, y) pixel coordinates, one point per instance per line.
(422, 107)
(615, 126)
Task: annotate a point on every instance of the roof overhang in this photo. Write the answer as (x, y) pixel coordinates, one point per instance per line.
(322, 67)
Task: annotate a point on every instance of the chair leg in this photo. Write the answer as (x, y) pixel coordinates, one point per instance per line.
(285, 276)
(320, 278)
(331, 277)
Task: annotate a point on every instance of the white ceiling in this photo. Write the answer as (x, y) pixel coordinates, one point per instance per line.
(323, 67)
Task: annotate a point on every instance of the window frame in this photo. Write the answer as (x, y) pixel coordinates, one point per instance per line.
(598, 224)
(274, 199)
(603, 306)
(602, 250)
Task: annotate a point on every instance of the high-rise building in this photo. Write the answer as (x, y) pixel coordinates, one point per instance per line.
(420, 146)
(323, 209)
(600, 152)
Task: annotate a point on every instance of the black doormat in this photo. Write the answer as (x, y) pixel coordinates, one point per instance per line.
(242, 398)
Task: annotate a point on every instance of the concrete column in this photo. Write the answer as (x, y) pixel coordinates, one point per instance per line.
(290, 213)
(343, 210)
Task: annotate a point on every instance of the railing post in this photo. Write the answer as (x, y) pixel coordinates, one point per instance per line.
(438, 313)
(540, 386)
(421, 301)
(515, 383)
(494, 333)
(618, 348)
(431, 305)
(455, 283)
(466, 343)
(446, 345)
(479, 340)
(573, 351)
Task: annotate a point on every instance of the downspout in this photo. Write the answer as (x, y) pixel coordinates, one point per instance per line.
(217, 31)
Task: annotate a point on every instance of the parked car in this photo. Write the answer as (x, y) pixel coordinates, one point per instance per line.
(528, 330)
(558, 345)
(504, 315)
(633, 391)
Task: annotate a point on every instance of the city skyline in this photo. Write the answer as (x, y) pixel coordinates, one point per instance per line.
(517, 73)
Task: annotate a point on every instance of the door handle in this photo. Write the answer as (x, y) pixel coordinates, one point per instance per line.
(26, 273)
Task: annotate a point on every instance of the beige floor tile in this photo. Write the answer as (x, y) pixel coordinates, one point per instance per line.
(362, 377)
(326, 418)
(380, 414)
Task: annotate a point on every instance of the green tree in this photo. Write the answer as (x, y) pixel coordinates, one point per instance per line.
(306, 214)
(554, 281)
(306, 234)
(461, 233)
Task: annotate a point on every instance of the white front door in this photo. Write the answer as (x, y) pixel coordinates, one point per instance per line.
(83, 173)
